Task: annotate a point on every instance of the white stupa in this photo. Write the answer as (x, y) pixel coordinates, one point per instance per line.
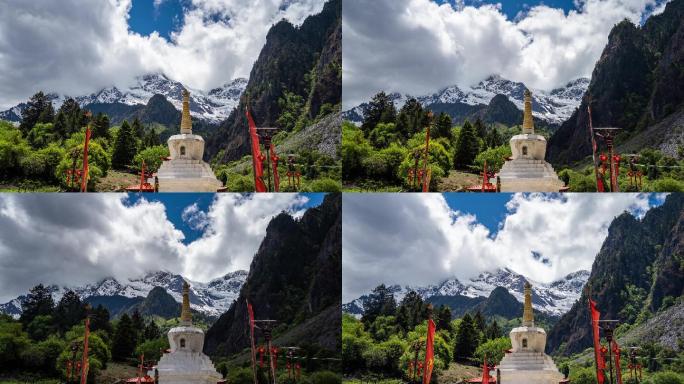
(186, 363)
(527, 363)
(186, 171)
(527, 171)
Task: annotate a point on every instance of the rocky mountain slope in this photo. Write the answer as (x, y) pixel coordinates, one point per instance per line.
(212, 298)
(304, 60)
(295, 278)
(553, 299)
(213, 106)
(553, 107)
(637, 85)
(636, 274)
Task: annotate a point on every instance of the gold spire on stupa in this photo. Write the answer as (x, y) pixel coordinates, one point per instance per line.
(186, 316)
(186, 121)
(528, 315)
(528, 121)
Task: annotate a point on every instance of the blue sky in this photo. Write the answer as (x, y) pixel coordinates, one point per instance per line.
(175, 203)
(490, 208)
(511, 8)
(165, 18)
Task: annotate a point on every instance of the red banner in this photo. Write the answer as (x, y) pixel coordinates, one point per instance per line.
(600, 362)
(257, 157)
(429, 352)
(485, 372)
(250, 311)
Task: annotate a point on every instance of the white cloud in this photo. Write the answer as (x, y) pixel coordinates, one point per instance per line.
(416, 239)
(73, 47)
(75, 239)
(421, 46)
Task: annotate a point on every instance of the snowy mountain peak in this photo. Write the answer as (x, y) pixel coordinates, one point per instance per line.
(212, 298)
(555, 298)
(554, 107)
(213, 106)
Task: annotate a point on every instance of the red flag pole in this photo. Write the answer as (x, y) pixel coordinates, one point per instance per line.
(142, 176)
(429, 352)
(250, 311)
(257, 157)
(84, 180)
(85, 364)
(600, 362)
(140, 371)
(485, 372)
(276, 177)
(599, 181)
(618, 369)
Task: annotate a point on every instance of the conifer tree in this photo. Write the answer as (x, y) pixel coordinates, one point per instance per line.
(379, 110)
(137, 128)
(466, 339)
(443, 318)
(74, 116)
(99, 320)
(70, 311)
(494, 138)
(124, 341)
(152, 331)
(467, 147)
(493, 331)
(138, 324)
(479, 321)
(480, 129)
(101, 126)
(412, 311)
(125, 147)
(38, 110)
(38, 303)
(380, 303)
(60, 126)
(443, 126)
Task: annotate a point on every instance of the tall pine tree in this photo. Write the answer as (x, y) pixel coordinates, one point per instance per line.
(379, 110)
(467, 147)
(38, 303)
(443, 127)
(70, 311)
(466, 340)
(125, 147)
(443, 318)
(125, 339)
(38, 110)
(101, 126)
(380, 303)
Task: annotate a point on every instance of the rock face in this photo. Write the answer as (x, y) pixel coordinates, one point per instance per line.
(284, 64)
(527, 171)
(621, 281)
(637, 83)
(295, 278)
(186, 171)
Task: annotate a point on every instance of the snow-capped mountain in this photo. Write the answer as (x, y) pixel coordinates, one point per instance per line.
(212, 298)
(554, 107)
(554, 298)
(213, 106)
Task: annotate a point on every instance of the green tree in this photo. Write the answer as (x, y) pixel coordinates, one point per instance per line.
(137, 128)
(443, 318)
(153, 157)
(38, 302)
(13, 149)
(153, 348)
(38, 110)
(138, 324)
(494, 350)
(494, 138)
(493, 331)
(379, 110)
(70, 311)
(467, 147)
(152, 331)
(467, 337)
(480, 129)
(101, 126)
(412, 119)
(291, 105)
(355, 148)
(380, 302)
(75, 117)
(479, 320)
(125, 147)
(411, 312)
(98, 159)
(40, 327)
(41, 135)
(125, 339)
(60, 126)
(443, 127)
(99, 319)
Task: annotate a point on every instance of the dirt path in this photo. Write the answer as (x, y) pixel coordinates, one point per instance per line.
(457, 181)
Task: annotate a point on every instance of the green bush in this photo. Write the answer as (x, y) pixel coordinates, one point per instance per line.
(324, 377)
(323, 185)
(495, 158)
(152, 156)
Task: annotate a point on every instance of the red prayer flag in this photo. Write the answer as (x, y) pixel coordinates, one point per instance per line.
(257, 157)
(250, 311)
(86, 170)
(276, 177)
(600, 362)
(86, 362)
(429, 352)
(485, 372)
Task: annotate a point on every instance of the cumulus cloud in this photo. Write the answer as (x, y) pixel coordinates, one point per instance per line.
(76, 46)
(417, 239)
(421, 46)
(71, 240)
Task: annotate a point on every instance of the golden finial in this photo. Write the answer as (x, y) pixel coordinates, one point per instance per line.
(186, 316)
(528, 315)
(528, 121)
